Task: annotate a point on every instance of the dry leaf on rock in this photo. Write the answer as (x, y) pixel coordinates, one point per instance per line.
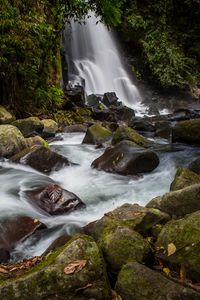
(171, 249)
(75, 266)
(4, 271)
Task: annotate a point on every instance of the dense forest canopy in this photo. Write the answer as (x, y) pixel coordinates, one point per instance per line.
(166, 33)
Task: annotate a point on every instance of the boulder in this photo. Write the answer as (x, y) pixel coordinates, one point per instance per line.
(74, 272)
(5, 116)
(76, 128)
(36, 141)
(94, 100)
(178, 203)
(127, 133)
(124, 113)
(126, 159)
(183, 178)
(163, 129)
(141, 124)
(137, 282)
(11, 140)
(30, 126)
(41, 159)
(184, 235)
(104, 115)
(110, 99)
(54, 200)
(76, 95)
(187, 131)
(195, 166)
(97, 134)
(50, 128)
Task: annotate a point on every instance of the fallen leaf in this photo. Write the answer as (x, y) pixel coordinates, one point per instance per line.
(166, 271)
(2, 270)
(171, 249)
(75, 267)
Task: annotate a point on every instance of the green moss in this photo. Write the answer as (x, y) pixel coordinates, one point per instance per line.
(127, 133)
(97, 134)
(67, 117)
(183, 178)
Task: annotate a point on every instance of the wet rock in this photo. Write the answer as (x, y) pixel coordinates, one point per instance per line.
(183, 178)
(164, 129)
(11, 140)
(195, 166)
(76, 95)
(36, 141)
(110, 99)
(4, 255)
(126, 158)
(30, 126)
(125, 113)
(55, 200)
(94, 100)
(127, 133)
(187, 131)
(49, 280)
(97, 134)
(41, 159)
(76, 128)
(5, 116)
(50, 128)
(153, 110)
(178, 203)
(137, 282)
(104, 115)
(141, 124)
(184, 234)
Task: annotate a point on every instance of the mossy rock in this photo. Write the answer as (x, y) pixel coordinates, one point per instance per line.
(29, 126)
(183, 178)
(178, 203)
(5, 116)
(187, 131)
(97, 134)
(137, 282)
(11, 140)
(36, 140)
(184, 234)
(195, 166)
(65, 118)
(127, 133)
(50, 127)
(48, 280)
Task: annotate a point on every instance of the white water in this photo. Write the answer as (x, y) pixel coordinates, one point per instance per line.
(102, 192)
(94, 62)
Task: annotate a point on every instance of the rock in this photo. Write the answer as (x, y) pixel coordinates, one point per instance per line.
(163, 129)
(183, 178)
(153, 110)
(36, 141)
(141, 124)
(11, 140)
(97, 134)
(137, 282)
(125, 113)
(104, 115)
(50, 279)
(184, 234)
(5, 116)
(94, 100)
(195, 166)
(50, 128)
(126, 159)
(41, 159)
(76, 128)
(178, 203)
(54, 200)
(109, 99)
(127, 133)
(29, 126)
(76, 95)
(187, 131)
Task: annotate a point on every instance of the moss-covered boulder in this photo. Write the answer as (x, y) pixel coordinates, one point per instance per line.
(97, 134)
(195, 166)
(50, 128)
(36, 140)
(137, 282)
(126, 158)
(183, 178)
(29, 126)
(55, 277)
(184, 234)
(5, 116)
(11, 140)
(187, 131)
(178, 203)
(127, 133)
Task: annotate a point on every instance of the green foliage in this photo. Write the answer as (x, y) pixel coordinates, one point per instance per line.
(51, 97)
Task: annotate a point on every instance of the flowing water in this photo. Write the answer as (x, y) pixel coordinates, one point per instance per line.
(101, 192)
(94, 61)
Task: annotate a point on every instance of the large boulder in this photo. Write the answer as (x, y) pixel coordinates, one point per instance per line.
(187, 131)
(54, 200)
(126, 159)
(50, 128)
(97, 134)
(141, 124)
(11, 140)
(41, 159)
(178, 203)
(30, 126)
(137, 282)
(183, 178)
(195, 166)
(124, 113)
(183, 234)
(5, 116)
(110, 99)
(74, 272)
(127, 133)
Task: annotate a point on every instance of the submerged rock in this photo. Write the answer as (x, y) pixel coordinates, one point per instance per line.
(5, 116)
(97, 134)
(187, 131)
(126, 159)
(137, 282)
(11, 140)
(183, 178)
(54, 200)
(29, 126)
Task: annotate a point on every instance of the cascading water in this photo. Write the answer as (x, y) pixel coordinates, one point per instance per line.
(94, 61)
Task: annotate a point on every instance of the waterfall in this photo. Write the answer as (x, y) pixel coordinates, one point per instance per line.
(94, 61)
